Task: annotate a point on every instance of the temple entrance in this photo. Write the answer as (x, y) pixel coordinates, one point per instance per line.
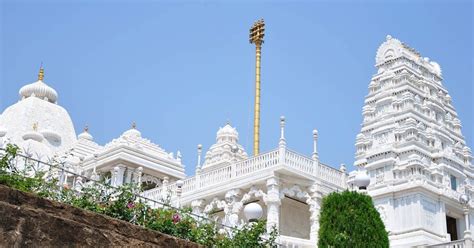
(451, 227)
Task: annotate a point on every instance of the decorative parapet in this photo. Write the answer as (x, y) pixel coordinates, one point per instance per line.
(293, 161)
(288, 241)
(462, 243)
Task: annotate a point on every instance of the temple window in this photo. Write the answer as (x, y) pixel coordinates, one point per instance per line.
(454, 184)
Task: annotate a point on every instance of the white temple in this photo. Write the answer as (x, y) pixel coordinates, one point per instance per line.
(413, 150)
(410, 153)
(36, 122)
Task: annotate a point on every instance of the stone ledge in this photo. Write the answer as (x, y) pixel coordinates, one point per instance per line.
(28, 220)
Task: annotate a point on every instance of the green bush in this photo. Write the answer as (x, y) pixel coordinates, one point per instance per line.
(349, 219)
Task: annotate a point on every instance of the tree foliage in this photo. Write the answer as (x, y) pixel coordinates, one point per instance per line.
(349, 219)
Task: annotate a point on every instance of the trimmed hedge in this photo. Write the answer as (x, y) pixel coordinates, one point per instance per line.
(349, 219)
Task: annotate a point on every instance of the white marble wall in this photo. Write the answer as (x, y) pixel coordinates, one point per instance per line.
(294, 219)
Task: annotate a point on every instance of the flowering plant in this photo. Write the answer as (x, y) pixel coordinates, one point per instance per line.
(123, 203)
(176, 218)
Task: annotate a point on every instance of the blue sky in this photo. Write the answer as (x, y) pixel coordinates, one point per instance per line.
(182, 69)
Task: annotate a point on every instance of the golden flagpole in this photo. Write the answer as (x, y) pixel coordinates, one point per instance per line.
(256, 37)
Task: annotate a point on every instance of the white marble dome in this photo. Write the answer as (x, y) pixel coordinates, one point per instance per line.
(225, 149)
(227, 133)
(132, 132)
(39, 89)
(85, 135)
(36, 121)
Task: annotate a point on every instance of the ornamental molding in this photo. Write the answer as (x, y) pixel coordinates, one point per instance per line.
(294, 191)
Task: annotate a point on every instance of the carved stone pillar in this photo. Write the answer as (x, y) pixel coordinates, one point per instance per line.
(138, 175)
(196, 206)
(119, 175)
(129, 175)
(314, 202)
(442, 218)
(232, 207)
(467, 232)
(164, 192)
(273, 203)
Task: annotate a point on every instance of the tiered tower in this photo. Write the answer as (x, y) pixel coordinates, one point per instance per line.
(413, 150)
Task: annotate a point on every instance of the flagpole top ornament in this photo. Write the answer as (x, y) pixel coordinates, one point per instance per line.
(257, 32)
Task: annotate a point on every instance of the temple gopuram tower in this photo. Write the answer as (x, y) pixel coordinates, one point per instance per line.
(411, 145)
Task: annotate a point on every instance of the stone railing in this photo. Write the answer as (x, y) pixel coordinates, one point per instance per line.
(291, 242)
(331, 175)
(299, 162)
(262, 161)
(291, 160)
(453, 244)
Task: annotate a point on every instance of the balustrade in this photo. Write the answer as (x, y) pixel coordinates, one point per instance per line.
(263, 161)
(299, 162)
(331, 175)
(292, 242)
(453, 244)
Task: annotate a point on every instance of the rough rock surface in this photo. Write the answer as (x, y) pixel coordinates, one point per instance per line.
(30, 221)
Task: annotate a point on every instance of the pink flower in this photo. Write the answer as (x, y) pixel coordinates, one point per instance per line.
(176, 218)
(130, 205)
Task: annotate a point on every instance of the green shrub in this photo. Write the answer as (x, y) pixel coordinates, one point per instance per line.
(349, 219)
(122, 203)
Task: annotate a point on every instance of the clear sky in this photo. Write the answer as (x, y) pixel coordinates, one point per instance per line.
(181, 69)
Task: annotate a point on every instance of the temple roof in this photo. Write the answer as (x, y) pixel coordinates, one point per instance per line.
(39, 89)
(225, 149)
(393, 48)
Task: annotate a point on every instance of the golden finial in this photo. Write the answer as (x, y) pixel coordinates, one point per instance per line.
(41, 73)
(134, 125)
(35, 126)
(257, 32)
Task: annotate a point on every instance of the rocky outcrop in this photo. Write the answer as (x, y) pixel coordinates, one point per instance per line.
(30, 221)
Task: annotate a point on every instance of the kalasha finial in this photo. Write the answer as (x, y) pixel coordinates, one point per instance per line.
(86, 129)
(41, 73)
(134, 125)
